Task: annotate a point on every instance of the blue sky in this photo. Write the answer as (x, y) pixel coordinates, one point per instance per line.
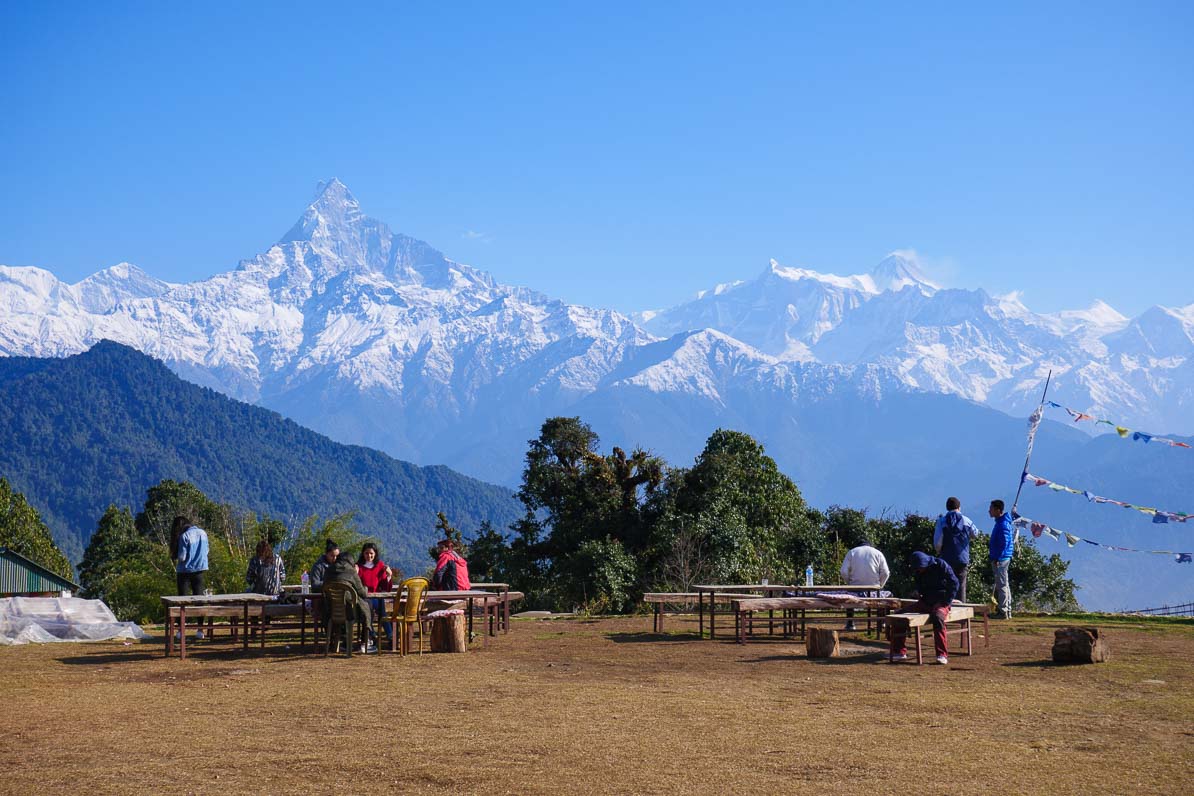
(612, 154)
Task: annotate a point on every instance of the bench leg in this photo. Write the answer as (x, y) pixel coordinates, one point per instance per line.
(919, 653)
(969, 639)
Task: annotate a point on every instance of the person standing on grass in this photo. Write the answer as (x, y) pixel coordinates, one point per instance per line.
(377, 576)
(1000, 549)
(864, 566)
(936, 586)
(951, 540)
(188, 549)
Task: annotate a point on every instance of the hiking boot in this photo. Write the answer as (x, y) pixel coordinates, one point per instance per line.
(899, 656)
(199, 635)
(362, 649)
(943, 660)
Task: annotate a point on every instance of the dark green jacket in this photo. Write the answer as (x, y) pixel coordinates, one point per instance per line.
(345, 570)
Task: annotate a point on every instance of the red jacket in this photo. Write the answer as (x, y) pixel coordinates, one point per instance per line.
(443, 571)
(374, 577)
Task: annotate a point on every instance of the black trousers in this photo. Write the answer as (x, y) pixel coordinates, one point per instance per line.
(190, 583)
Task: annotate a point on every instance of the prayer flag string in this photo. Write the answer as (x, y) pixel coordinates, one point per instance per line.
(1039, 529)
(1123, 432)
(1159, 517)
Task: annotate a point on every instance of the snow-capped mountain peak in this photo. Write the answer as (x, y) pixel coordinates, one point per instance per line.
(862, 283)
(335, 213)
(899, 270)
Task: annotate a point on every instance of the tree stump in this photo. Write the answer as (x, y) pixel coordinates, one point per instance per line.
(822, 643)
(449, 633)
(1079, 645)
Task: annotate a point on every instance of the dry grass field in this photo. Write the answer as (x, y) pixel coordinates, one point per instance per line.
(603, 706)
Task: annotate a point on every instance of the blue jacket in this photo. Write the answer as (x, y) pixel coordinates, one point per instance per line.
(935, 579)
(192, 550)
(951, 537)
(1003, 539)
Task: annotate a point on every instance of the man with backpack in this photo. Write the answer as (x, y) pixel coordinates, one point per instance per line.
(951, 540)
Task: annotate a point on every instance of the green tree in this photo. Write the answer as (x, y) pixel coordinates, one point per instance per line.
(303, 547)
(751, 519)
(125, 569)
(23, 532)
(578, 502)
(1038, 583)
(489, 555)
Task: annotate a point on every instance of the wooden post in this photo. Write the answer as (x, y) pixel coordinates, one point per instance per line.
(448, 633)
(822, 643)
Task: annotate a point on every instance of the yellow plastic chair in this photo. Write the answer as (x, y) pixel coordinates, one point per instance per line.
(340, 602)
(411, 614)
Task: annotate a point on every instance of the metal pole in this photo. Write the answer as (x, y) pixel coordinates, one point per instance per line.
(1028, 453)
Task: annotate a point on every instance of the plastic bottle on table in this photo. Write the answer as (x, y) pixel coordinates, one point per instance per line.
(808, 575)
(306, 581)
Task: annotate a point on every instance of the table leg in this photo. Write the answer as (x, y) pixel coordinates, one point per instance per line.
(246, 636)
(182, 635)
(712, 613)
(506, 610)
(700, 615)
(303, 624)
(169, 633)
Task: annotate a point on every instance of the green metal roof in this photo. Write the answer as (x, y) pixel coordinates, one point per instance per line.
(19, 575)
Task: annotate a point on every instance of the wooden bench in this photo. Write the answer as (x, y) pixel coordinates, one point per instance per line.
(980, 609)
(794, 611)
(917, 624)
(658, 599)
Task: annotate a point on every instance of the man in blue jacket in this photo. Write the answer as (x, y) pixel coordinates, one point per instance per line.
(1000, 548)
(936, 586)
(951, 540)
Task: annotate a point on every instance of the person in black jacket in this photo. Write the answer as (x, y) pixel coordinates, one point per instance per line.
(936, 586)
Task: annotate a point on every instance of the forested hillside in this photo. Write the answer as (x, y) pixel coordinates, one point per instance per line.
(101, 427)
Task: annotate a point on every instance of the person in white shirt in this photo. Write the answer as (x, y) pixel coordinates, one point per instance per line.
(864, 566)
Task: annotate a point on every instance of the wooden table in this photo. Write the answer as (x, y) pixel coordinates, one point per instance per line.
(504, 590)
(802, 591)
(745, 606)
(199, 602)
(715, 591)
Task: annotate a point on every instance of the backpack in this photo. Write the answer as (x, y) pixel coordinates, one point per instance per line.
(955, 542)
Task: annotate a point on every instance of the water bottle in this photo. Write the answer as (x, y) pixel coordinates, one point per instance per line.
(306, 581)
(808, 575)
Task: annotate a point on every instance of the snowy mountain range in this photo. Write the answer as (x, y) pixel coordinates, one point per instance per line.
(376, 338)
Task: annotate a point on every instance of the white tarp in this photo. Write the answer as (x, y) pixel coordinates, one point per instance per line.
(36, 620)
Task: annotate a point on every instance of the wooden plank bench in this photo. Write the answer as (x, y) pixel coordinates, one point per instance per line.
(916, 624)
(980, 609)
(794, 611)
(658, 599)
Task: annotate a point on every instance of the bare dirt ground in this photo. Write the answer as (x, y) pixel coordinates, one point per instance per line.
(603, 706)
